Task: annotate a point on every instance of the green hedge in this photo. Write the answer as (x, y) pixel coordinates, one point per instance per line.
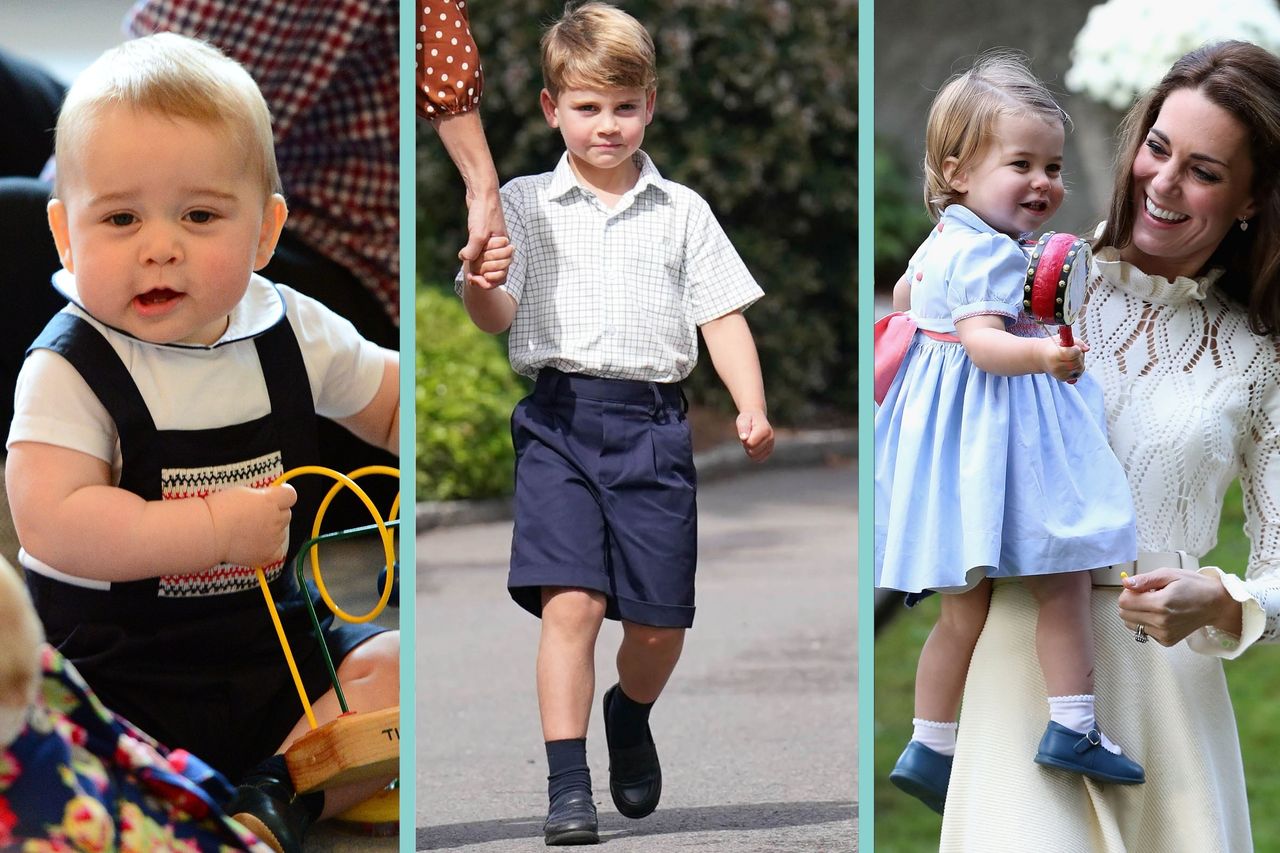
(756, 111)
(901, 223)
(465, 393)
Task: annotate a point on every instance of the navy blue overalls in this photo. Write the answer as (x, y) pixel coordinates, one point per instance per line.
(194, 660)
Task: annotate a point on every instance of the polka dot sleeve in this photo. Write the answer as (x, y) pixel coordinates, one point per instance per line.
(449, 79)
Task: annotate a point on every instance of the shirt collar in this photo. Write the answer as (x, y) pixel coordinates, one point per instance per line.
(261, 308)
(958, 212)
(564, 181)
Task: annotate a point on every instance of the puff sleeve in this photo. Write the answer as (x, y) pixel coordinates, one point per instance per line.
(984, 274)
(448, 76)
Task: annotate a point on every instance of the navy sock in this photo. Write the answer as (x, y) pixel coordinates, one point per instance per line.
(567, 767)
(272, 776)
(628, 720)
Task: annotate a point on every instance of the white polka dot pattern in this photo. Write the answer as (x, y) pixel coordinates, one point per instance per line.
(442, 28)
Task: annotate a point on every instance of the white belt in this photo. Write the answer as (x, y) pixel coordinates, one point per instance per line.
(1147, 561)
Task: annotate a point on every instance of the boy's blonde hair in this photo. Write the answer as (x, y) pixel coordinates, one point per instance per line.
(963, 116)
(597, 46)
(174, 76)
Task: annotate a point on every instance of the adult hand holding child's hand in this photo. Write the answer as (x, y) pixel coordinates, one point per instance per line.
(485, 264)
(251, 526)
(756, 434)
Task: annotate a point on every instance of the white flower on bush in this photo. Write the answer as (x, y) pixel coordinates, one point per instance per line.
(1126, 46)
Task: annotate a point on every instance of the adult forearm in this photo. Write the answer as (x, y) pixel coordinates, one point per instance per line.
(1228, 614)
(463, 137)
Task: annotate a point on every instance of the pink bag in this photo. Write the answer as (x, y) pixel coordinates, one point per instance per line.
(892, 336)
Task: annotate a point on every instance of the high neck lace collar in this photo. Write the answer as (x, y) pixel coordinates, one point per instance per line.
(1153, 288)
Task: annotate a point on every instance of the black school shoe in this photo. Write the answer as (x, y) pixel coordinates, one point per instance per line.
(571, 820)
(269, 810)
(635, 777)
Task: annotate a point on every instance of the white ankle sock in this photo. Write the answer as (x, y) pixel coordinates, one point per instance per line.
(940, 737)
(1076, 713)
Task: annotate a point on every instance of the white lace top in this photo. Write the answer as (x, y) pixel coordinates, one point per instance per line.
(1192, 401)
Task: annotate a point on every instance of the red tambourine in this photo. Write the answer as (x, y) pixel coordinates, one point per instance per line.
(1055, 282)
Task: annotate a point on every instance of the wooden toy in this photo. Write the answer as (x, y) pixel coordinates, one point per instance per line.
(356, 745)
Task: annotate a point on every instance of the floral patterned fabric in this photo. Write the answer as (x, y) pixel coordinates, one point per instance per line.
(79, 778)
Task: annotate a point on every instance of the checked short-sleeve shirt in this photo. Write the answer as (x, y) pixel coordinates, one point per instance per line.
(617, 293)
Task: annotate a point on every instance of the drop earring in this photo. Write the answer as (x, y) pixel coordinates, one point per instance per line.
(1244, 225)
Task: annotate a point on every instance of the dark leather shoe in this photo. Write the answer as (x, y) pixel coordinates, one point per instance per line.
(923, 773)
(571, 820)
(1083, 753)
(271, 814)
(635, 777)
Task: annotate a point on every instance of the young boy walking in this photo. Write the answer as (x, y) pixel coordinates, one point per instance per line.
(615, 271)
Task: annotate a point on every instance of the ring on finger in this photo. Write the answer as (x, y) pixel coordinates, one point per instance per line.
(1140, 633)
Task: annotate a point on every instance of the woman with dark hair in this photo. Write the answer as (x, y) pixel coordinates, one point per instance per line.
(1181, 313)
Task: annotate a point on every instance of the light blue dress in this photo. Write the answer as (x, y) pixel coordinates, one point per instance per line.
(978, 474)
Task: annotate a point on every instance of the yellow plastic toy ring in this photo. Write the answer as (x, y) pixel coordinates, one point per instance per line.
(315, 531)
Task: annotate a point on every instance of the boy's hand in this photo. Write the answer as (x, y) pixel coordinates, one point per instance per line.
(485, 265)
(251, 526)
(1065, 364)
(756, 435)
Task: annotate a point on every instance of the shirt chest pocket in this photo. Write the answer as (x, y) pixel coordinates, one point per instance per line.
(653, 275)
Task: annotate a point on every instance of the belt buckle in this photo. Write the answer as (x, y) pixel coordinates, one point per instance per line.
(1147, 561)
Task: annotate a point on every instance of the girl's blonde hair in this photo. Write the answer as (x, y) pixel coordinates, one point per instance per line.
(174, 76)
(597, 46)
(963, 115)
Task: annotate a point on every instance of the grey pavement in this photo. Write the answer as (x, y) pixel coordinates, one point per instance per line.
(757, 728)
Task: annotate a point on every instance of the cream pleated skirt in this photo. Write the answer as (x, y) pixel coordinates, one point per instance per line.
(1167, 708)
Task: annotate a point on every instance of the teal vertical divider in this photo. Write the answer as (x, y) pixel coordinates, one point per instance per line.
(866, 471)
(408, 429)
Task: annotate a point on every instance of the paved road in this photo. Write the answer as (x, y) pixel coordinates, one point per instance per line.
(757, 729)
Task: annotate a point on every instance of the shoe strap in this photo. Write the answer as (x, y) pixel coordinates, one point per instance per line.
(1091, 738)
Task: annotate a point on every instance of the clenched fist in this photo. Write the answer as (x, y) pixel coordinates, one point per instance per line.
(251, 526)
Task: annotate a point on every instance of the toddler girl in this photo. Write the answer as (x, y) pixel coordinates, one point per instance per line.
(988, 462)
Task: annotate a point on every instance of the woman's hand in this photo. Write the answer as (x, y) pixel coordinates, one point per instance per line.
(1171, 604)
(488, 252)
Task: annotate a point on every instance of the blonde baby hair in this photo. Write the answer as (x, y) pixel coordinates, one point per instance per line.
(597, 46)
(173, 76)
(963, 115)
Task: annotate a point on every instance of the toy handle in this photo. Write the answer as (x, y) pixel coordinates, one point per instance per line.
(1067, 340)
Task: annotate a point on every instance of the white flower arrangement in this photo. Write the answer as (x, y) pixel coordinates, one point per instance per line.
(1126, 46)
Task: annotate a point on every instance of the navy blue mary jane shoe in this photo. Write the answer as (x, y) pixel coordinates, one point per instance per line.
(923, 773)
(1077, 752)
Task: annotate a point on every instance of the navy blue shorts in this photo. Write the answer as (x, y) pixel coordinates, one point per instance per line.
(605, 496)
